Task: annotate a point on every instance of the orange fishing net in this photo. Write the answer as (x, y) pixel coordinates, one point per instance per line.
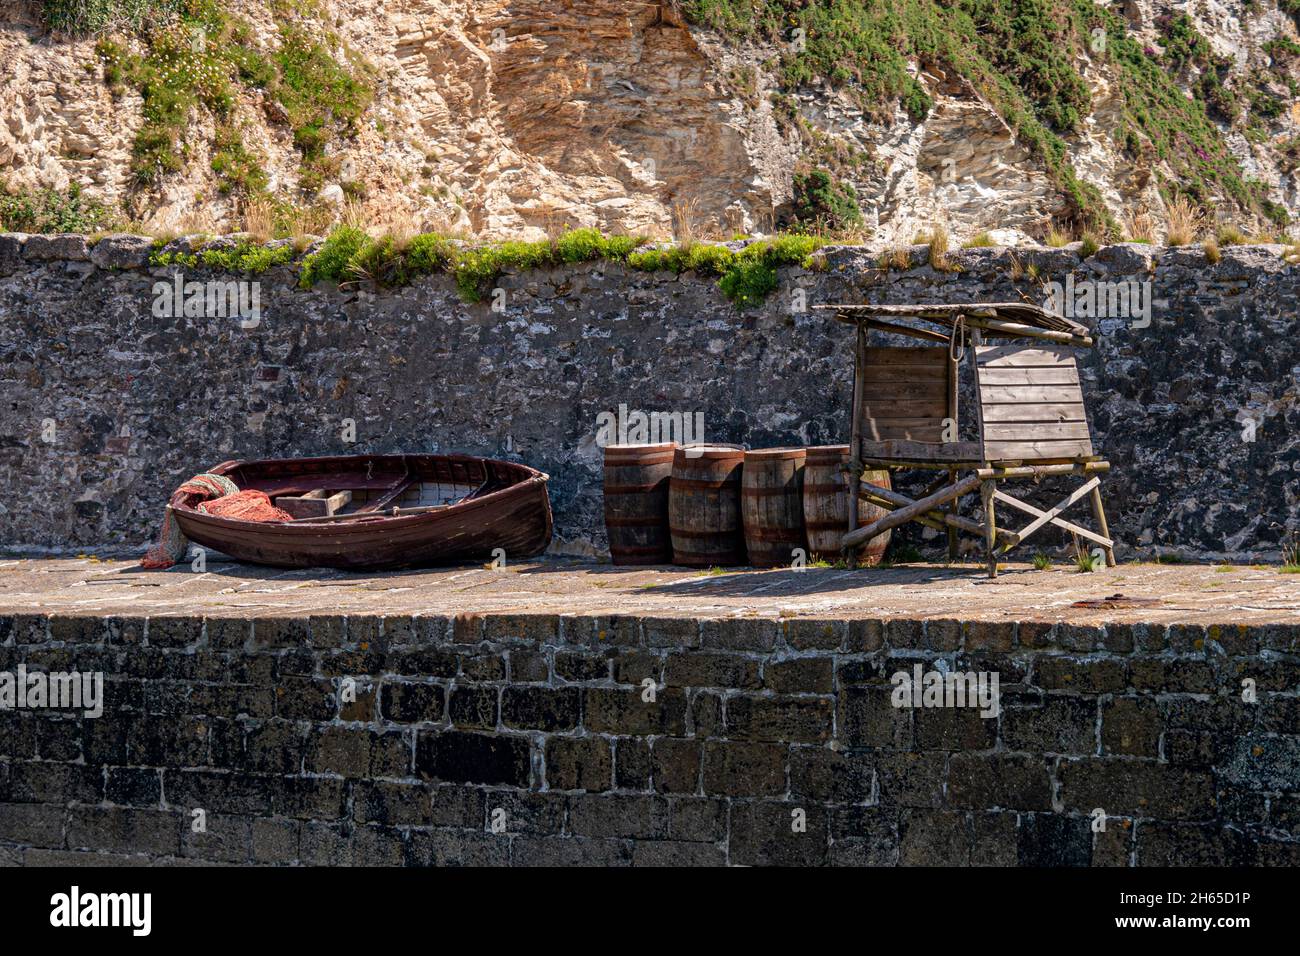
(250, 505)
(225, 500)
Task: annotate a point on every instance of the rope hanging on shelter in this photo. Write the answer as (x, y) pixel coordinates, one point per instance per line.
(957, 342)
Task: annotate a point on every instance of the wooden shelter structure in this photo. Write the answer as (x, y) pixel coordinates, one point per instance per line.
(1029, 416)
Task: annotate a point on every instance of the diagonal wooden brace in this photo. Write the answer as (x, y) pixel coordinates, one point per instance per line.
(1052, 515)
(907, 513)
(939, 520)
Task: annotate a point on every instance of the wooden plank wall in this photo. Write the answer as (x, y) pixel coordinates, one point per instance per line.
(905, 393)
(1031, 403)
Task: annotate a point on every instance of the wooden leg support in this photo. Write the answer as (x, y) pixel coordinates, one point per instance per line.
(852, 474)
(987, 488)
(939, 520)
(953, 510)
(938, 508)
(1099, 515)
(862, 535)
(1052, 516)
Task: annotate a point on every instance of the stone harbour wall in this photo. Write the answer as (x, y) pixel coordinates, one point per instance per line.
(106, 408)
(530, 739)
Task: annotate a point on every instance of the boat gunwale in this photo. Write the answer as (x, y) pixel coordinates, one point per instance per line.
(371, 521)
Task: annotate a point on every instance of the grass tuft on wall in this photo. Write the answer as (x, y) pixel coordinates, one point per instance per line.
(746, 277)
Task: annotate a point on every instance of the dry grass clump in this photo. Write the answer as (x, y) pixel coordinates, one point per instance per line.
(1184, 222)
(1290, 554)
(685, 223)
(843, 236)
(938, 242)
(981, 240)
(265, 218)
(898, 258)
(400, 226)
(1139, 226)
(1230, 235)
(353, 215)
(1212, 252)
(1017, 267)
(313, 220)
(1057, 237)
(555, 223)
(259, 220)
(445, 225)
(196, 222)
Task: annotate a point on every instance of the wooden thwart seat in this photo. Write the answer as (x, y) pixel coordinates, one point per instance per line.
(313, 504)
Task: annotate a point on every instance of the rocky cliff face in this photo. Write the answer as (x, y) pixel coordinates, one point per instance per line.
(520, 117)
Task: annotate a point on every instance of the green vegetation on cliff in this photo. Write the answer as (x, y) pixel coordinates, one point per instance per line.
(1160, 118)
(821, 203)
(91, 17)
(320, 96)
(49, 210)
(1022, 56)
(350, 255)
(188, 58)
(197, 64)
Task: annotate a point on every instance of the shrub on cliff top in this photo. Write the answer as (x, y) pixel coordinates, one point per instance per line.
(820, 203)
(88, 17)
(332, 260)
(584, 245)
(748, 282)
(745, 277)
(48, 210)
(477, 268)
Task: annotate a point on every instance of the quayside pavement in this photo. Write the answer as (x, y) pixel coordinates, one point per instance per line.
(1151, 593)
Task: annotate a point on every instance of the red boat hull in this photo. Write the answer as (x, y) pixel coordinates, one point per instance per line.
(512, 512)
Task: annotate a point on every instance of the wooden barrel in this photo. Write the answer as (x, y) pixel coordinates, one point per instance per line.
(771, 505)
(704, 506)
(636, 502)
(826, 509)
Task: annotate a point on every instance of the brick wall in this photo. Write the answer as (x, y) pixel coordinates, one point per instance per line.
(538, 722)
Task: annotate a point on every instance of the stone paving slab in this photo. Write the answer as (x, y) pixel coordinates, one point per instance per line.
(1192, 594)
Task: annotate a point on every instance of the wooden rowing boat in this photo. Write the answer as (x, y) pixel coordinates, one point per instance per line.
(399, 511)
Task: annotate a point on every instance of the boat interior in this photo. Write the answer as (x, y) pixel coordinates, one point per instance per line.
(330, 489)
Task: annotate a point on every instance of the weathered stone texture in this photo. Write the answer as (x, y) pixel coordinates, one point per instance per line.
(58, 247)
(790, 754)
(140, 403)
